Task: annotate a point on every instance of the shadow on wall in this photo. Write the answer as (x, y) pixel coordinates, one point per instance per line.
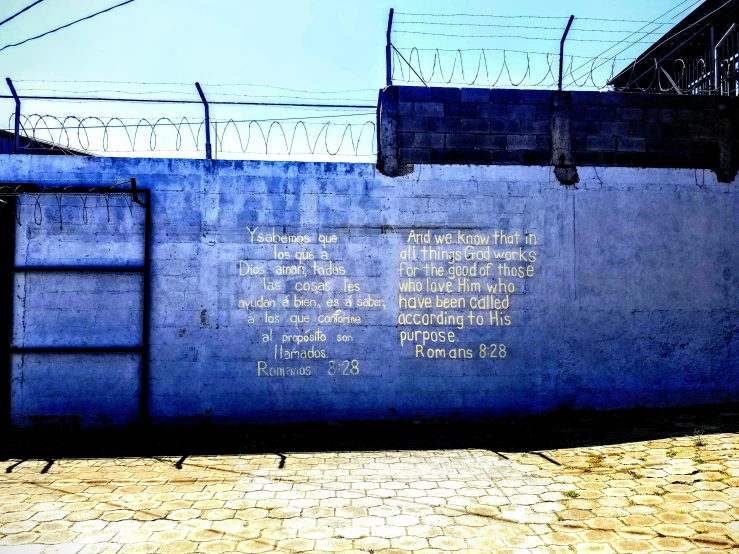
(560, 429)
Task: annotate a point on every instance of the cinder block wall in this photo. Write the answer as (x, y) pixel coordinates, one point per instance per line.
(632, 300)
(437, 125)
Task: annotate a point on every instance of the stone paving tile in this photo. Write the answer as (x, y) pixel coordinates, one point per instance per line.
(677, 494)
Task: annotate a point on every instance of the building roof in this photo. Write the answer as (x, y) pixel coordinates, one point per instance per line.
(35, 146)
(688, 40)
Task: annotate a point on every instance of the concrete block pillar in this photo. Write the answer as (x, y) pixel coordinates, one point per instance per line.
(388, 156)
(562, 157)
(727, 124)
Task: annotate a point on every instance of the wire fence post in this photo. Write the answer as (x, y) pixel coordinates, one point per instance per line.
(562, 50)
(208, 153)
(388, 50)
(16, 139)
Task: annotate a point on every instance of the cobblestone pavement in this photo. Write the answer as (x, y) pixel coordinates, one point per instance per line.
(671, 494)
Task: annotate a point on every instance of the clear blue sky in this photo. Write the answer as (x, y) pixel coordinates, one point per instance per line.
(319, 45)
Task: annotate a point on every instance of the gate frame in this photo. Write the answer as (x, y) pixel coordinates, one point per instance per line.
(8, 270)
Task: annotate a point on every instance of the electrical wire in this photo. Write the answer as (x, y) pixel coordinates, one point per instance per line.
(4, 21)
(67, 25)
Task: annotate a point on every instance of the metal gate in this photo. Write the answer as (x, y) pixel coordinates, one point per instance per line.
(43, 318)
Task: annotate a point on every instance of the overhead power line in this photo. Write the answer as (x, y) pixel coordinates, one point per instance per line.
(3, 22)
(67, 25)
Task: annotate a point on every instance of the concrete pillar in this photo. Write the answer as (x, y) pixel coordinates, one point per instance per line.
(727, 162)
(388, 156)
(562, 158)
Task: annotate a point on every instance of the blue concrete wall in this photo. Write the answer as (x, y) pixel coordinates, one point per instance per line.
(631, 299)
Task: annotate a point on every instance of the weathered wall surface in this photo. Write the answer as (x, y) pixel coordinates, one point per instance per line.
(290, 291)
(441, 125)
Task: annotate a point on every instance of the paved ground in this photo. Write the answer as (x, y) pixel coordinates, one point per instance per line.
(678, 491)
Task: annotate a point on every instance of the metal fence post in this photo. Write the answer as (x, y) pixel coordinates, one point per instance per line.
(562, 50)
(716, 60)
(144, 416)
(17, 114)
(388, 50)
(208, 153)
(8, 224)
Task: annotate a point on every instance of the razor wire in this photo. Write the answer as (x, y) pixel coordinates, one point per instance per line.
(62, 201)
(287, 136)
(491, 68)
(487, 67)
(346, 134)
